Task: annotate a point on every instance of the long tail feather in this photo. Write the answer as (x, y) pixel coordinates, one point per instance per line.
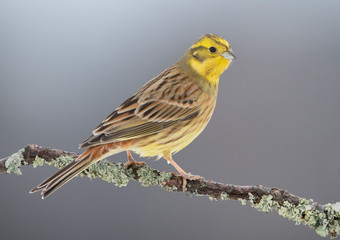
(90, 156)
(42, 185)
(66, 176)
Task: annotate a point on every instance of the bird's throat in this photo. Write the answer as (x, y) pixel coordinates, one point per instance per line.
(210, 69)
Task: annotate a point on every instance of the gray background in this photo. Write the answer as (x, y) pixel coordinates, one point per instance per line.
(65, 65)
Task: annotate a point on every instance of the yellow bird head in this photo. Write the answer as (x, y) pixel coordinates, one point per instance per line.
(210, 56)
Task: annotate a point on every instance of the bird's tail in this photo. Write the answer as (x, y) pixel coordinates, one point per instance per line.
(90, 156)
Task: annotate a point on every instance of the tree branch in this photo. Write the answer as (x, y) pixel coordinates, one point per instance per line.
(323, 218)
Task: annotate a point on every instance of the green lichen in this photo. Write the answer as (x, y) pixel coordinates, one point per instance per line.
(325, 219)
(252, 199)
(330, 222)
(224, 196)
(109, 172)
(266, 204)
(293, 212)
(163, 177)
(243, 201)
(61, 161)
(171, 189)
(147, 177)
(14, 162)
(325, 222)
(38, 161)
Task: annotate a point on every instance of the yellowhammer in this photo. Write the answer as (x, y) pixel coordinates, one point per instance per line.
(162, 118)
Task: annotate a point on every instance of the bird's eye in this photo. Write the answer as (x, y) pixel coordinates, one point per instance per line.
(212, 49)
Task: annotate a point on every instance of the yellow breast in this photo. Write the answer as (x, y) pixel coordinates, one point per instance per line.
(177, 137)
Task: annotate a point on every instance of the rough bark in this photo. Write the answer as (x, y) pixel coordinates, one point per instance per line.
(323, 218)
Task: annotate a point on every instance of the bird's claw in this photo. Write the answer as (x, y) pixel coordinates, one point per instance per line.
(135, 163)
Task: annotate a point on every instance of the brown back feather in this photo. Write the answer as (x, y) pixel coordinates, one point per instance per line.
(162, 102)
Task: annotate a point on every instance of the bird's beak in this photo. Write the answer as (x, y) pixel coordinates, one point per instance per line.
(229, 55)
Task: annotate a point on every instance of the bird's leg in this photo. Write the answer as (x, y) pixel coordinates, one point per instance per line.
(131, 161)
(186, 176)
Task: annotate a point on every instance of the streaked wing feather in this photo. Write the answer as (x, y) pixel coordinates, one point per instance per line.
(141, 130)
(167, 99)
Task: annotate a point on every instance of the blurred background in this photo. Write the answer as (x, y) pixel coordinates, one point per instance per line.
(66, 65)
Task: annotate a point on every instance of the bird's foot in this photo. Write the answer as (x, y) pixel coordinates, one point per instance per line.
(132, 161)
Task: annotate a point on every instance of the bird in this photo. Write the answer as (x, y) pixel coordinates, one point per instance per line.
(161, 118)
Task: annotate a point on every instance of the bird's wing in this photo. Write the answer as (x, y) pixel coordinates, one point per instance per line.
(169, 98)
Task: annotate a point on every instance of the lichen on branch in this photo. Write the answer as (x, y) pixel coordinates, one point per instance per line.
(323, 218)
